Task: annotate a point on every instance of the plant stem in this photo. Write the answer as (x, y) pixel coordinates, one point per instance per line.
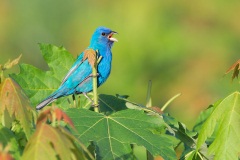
(95, 95)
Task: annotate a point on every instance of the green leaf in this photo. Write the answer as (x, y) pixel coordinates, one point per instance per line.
(225, 115)
(109, 103)
(193, 155)
(132, 105)
(114, 133)
(188, 138)
(38, 84)
(7, 138)
(202, 119)
(180, 131)
(52, 143)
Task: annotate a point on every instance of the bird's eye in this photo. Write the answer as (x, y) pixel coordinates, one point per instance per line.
(103, 34)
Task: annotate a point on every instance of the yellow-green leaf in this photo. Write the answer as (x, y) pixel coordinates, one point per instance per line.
(51, 143)
(226, 117)
(12, 63)
(14, 105)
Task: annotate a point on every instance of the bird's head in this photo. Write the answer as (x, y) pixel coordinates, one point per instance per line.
(103, 36)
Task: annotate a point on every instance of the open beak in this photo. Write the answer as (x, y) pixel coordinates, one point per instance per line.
(112, 38)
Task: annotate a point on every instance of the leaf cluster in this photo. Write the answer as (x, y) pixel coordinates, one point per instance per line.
(70, 129)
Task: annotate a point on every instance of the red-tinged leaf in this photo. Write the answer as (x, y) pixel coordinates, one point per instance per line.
(5, 156)
(44, 116)
(90, 54)
(60, 115)
(51, 143)
(14, 105)
(4, 153)
(54, 114)
(235, 68)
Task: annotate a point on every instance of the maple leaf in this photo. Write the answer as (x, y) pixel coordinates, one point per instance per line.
(14, 105)
(52, 143)
(54, 114)
(224, 121)
(112, 134)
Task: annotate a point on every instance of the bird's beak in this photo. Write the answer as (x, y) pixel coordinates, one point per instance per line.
(112, 38)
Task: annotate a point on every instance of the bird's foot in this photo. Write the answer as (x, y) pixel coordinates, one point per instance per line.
(94, 105)
(85, 94)
(75, 102)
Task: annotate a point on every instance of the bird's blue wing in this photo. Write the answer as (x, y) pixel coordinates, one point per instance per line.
(79, 74)
(78, 62)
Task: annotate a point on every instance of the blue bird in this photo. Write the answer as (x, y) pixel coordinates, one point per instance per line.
(79, 78)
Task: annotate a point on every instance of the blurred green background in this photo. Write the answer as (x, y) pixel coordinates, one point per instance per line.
(182, 46)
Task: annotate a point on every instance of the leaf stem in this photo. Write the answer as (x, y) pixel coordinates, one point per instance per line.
(169, 101)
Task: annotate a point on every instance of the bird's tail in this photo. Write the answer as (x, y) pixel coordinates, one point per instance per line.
(46, 101)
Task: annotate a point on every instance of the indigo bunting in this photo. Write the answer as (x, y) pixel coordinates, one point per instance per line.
(79, 78)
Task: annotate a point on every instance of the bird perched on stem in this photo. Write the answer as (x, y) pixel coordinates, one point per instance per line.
(79, 78)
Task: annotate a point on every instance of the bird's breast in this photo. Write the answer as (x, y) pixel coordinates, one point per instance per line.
(104, 68)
